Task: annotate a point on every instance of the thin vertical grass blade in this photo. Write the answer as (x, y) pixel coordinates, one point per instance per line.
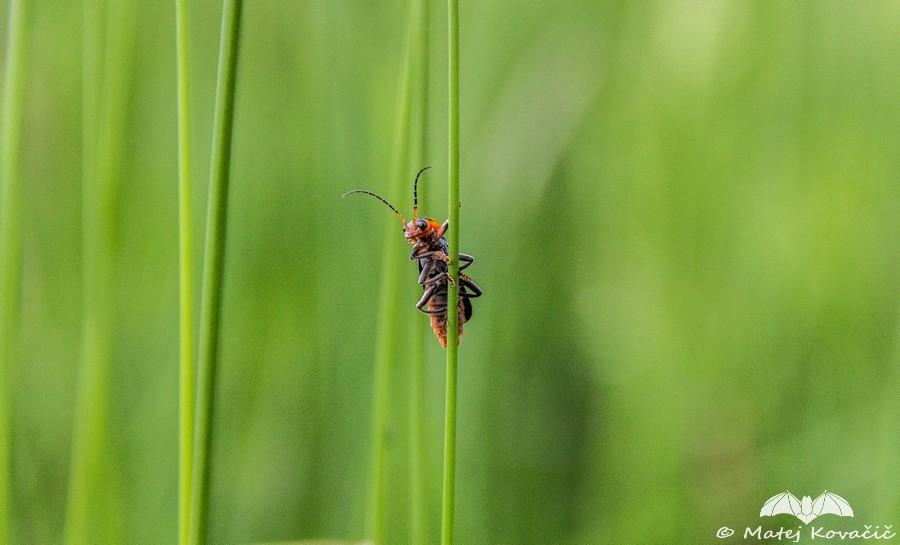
(108, 62)
(388, 304)
(453, 290)
(185, 367)
(76, 522)
(417, 476)
(10, 241)
(213, 267)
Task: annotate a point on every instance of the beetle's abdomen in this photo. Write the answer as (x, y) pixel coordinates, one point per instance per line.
(439, 321)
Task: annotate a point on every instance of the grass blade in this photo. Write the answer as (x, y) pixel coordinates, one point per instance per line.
(417, 475)
(10, 241)
(213, 267)
(453, 290)
(108, 62)
(388, 303)
(185, 367)
(76, 523)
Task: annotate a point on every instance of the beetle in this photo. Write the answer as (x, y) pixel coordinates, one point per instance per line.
(432, 254)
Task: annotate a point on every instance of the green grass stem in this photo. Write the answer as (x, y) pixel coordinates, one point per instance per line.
(10, 241)
(417, 462)
(185, 366)
(87, 396)
(107, 69)
(213, 267)
(388, 302)
(453, 291)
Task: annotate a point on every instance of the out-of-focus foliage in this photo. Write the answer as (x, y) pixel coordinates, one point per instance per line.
(685, 220)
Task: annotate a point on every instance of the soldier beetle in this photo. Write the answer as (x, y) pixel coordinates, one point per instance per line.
(432, 253)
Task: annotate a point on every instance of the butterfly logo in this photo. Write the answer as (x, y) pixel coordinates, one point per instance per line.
(806, 509)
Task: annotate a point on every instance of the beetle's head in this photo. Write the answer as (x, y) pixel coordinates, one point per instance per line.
(420, 229)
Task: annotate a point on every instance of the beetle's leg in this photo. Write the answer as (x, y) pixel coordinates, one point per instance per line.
(443, 229)
(466, 282)
(429, 311)
(445, 258)
(450, 279)
(423, 276)
(428, 281)
(440, 276)
(419, 250)
(425, 298)
(418, 247)
(434, 254)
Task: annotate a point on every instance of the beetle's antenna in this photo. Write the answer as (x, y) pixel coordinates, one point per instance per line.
(416, 193)
(380, 199)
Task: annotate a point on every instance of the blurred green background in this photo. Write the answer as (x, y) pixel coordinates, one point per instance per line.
(684, 217)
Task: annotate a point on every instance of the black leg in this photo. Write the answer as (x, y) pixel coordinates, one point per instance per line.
(424, 301)
(423, 276)
(430, 281)
(466, 282)
(436, 254)
(443, 276)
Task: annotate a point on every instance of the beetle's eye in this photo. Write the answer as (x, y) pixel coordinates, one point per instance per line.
(421, 224)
